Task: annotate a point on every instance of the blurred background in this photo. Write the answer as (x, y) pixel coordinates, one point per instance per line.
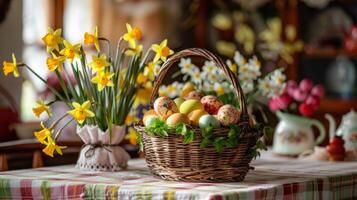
(315, 39)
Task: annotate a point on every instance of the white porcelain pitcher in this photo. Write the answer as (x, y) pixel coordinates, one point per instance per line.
(294, 134)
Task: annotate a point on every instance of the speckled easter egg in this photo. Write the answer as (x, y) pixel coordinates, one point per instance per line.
(165, 107)
(211, 104)
(176, 119)
(195, 115)
(194, 95)
(228, 115)
(208, 121)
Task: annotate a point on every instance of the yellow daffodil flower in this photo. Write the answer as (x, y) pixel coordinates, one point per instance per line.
(134, 50)
(92, 38)
(152, 70)
(103, 79)
(70, 51)
(52, 39)
(11, 67)
(40, 108)
(131, 136)
(141, 79)
(132, 35)
(43, 134)
(131, 118)
(81, 112)
(51, 146)
(99, 62)
(56, 62)
(162, 51)
(143, 95)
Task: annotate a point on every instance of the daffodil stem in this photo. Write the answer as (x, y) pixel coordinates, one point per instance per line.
(54, 91)
(61, 81)
(145, 57)
(58, 120)
(108, 44)
(60, 131)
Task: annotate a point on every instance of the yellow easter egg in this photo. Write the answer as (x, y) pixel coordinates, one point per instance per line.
(190, 105)
(195, 116)
(177, 118)
(178, 101)
(187, 88)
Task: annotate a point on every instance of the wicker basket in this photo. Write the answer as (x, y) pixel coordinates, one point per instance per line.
(171, 159)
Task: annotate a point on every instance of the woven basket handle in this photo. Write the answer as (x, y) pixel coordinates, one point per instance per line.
(209, 56)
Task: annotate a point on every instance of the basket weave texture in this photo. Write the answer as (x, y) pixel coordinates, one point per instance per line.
(171, 159)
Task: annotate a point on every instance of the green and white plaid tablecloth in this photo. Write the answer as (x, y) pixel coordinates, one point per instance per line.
(272, 179)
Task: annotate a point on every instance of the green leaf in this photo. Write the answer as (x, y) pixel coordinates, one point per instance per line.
(205, 142)
(189, 137)
(158, 128)
(207, 132)
(218, 144)
(181, 129)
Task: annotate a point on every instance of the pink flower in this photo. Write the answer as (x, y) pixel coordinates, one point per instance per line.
(306, 85)
(318, 91)
(313, 101)
(281, 102)
(290, 88)
(273, 105)
(300, 95)
(306, 110)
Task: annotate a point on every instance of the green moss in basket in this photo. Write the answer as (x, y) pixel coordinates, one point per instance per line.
(157, 127)
(230, 141)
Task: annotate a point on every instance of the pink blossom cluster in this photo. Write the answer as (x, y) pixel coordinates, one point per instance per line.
(305, 95)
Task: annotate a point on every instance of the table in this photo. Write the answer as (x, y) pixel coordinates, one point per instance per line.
(273, 178)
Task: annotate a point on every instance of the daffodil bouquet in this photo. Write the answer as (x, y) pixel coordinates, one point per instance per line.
(106, 85)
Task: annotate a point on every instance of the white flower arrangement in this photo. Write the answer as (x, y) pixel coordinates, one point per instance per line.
(211, 79)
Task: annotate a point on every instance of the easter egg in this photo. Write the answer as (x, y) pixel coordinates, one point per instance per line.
(150, 120)
(211, 104)
(176, 119)
(165, 107)
(195, 115)
(228, 115)
(194, 95)
(208, 121)
(190, 105)
(179, 101)
(148, 113)
(187, 88)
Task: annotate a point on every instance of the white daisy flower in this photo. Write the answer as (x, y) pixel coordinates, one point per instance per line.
(247, 86)
(239, 59)
(278, 77)
(163, 91)
(207, 86)
(157, 68)
(196, 76)
(232, 66)
(209, 67)
(173, 89)
(186, 66)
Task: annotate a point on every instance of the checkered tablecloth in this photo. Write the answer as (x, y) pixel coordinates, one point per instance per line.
(273, 178)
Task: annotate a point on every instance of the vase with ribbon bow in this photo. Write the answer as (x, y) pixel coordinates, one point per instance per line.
(101, 152)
